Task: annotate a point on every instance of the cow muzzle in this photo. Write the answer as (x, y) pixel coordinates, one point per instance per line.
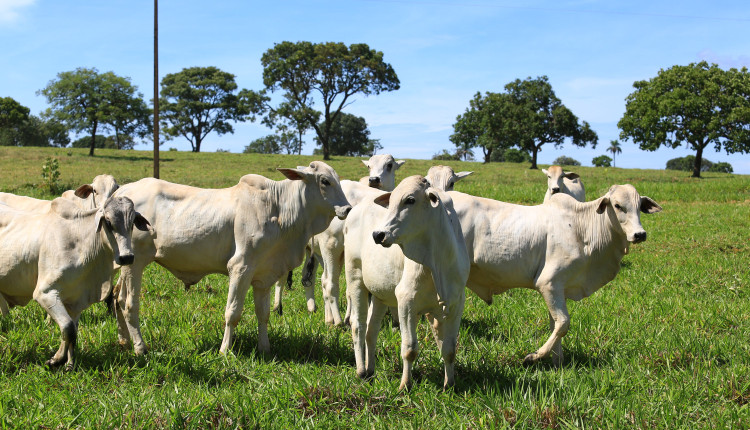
(374, 182)
(125, 260)
(343, 211)
(380, 238)
(639, 237)
(555, 190)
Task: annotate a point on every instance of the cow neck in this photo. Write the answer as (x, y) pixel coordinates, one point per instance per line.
(293, 209)
(597, 232)
(80, 223)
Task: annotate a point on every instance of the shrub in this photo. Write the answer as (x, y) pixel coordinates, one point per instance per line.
(686, 164)
(445, 156)
(602, 161)
(50, 176)
(566, 161)
(721, 167)
(510, 155)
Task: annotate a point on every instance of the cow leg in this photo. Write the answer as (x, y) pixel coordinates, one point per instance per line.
(557, 353)
(554, 297)
(394, 317)
(129, 301)
(374, 319)
(120, 296)
(446, 338)
(309, 272)
(277, 298)
(4, 309)
(49, 300)
(332, 265)
(239, 283)
(409, 344)
(262, 298)
(359, 301)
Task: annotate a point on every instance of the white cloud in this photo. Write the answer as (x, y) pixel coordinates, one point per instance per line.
(10, 9)
(725, 60)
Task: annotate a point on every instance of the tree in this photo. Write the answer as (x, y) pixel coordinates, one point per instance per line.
(510, 155)
(102, 142)
(12, 113)
(330, 72)
(485, 124)
(696, 105)
(540, 118)
(264, 145)
(601, 161)
(128, 115)
(722, 167)
(687, 163)
(614, 148)
(35, 131)
(349, 136)
(201, 100)
(87, 101)
(566, 161)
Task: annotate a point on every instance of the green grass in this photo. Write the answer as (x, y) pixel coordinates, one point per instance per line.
(664, 345)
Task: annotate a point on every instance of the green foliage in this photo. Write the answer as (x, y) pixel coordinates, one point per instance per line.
(330, 72)
(696, 105)
(87, 101)
(485, 124)
(687, 163)
(721, 167)
(614, 148)
(264, 145)
(510, 155)
(50, 176)
(566, 161)
(601, 161)
(348, 135)
(101, 142)
(445, 156)
(35, 131)
(200, 100)
(12, 113)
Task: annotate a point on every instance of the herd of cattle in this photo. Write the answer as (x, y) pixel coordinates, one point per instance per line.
(63, 253)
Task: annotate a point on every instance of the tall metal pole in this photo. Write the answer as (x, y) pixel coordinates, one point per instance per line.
(156, 89)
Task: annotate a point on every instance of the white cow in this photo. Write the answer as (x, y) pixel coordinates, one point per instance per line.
(255, 232)
(563, 249)
(568, 183)
(64, 258)
(424, 275)
(327, 248)
(103, 186)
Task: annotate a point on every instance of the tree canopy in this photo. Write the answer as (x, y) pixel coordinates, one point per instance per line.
(12, 113)
(349, 136)
(330, 73)
(696, 105)
(199, 100)
(87, 101)
(527, 115)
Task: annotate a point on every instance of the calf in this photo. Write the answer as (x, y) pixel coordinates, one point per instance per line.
(563, 249)
(64, 259)
(425, 274)
(568, 183)
(254, 232)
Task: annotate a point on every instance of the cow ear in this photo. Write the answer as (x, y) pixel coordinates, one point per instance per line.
(571, 175)
(461, 175)
(545, 171)
(649, 206)
(603, 205)
(366, 163)
(301, 167)
(400, 163)
(293, 174)
(141, 223)
(433, 196)
(99, 219)
(383, 200)
(84, 191)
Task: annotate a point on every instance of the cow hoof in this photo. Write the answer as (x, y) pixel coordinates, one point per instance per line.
(69, 367)
(52, 363)
(530, 359)
(140, 350)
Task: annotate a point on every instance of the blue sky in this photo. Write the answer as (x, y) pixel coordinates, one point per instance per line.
(443, 51)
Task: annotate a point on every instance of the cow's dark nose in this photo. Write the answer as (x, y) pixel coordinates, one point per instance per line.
(374, 181)
(126, 260)
(347, 210)
(555, 190)
(640, 236)
(378, 236)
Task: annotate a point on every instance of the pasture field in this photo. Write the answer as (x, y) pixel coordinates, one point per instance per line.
(666, 344)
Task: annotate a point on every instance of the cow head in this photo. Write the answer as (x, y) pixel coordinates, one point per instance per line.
(555, 176)
(382, 171)
(623, 204)
(320, 176)
(116, 218)
(444, 178)
(408, 209)
(100, 189)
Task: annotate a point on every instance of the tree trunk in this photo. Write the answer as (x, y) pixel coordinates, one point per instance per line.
(533, 158)
(197, 146)
(487, 154)
(698, 162)
(326, 153)
(93, 141)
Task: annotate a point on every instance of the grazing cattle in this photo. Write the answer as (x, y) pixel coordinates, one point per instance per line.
(327, 248)
(444, 178)
(424, 275)
(568, 183)
(563, 249)
(103, 186)
(63, 259)
(254, 232)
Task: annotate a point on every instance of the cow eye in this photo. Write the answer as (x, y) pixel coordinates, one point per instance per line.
(389, 167)
(451, 184)
(617, 206)
(325, 182)
(410, 200)
(109, 224)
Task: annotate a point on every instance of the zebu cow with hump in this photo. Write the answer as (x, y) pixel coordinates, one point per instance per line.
(103, 186)
(64, 259)
(327, 247)
(563, 249)
(424, 275)
(559, 181)
(254, 232)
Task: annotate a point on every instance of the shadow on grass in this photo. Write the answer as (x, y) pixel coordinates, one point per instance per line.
(134, 158)
(483, 328)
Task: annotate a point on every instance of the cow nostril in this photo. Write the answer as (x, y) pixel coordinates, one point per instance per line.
(640, 236)
(347, 210)
(127, 259)
(378, 236)
(555, 190)
(374, 179)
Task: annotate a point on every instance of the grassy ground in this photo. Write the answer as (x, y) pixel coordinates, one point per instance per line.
(664, 345)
